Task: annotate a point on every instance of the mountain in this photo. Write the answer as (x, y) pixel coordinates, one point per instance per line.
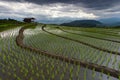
(110, 21)
(116, 24)
(83, 23)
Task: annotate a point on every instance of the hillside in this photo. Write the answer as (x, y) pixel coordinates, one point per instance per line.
(109, 21)
(83, 23)
(9, 23)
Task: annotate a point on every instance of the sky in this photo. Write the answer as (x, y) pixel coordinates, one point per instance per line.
(59, 11)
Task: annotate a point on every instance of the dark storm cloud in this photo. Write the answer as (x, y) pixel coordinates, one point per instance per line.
(94, 4)
(59, 11)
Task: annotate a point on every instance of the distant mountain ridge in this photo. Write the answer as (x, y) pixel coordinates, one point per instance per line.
(109, 20)
(83, 23)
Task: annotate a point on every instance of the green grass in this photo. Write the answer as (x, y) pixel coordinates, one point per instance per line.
(9, 24)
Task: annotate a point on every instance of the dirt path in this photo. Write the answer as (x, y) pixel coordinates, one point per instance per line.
(96, 67)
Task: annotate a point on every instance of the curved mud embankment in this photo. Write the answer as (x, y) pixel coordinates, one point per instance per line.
(96, 67)
(89, 36)
(84, 43)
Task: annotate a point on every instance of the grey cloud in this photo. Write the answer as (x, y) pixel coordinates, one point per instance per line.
(93, 4)
(102, 8)
(2, 8)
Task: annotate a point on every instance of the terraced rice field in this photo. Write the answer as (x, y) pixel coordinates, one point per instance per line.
(60, 53)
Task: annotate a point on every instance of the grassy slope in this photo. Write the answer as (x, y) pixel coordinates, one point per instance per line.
(6, 24)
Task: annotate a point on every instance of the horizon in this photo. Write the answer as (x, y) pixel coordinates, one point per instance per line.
(55, 11)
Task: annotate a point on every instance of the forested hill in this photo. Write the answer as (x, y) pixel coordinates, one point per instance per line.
(2, 21)
(83, 23)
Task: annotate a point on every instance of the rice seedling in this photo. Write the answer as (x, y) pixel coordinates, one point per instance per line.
(22, 64)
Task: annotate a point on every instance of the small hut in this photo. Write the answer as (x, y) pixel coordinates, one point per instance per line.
(29, 20)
